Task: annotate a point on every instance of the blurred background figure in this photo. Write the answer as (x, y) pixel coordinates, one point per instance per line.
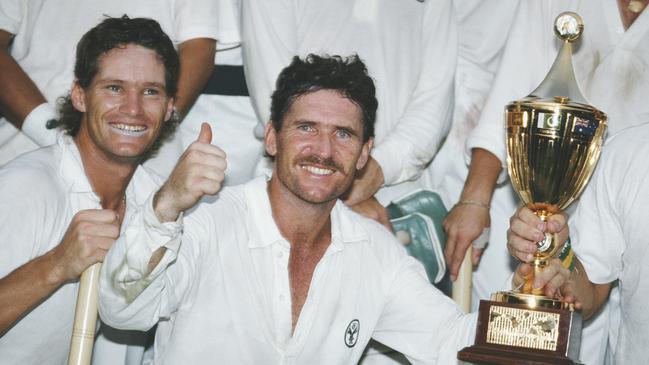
(483, 29)
(224, 104)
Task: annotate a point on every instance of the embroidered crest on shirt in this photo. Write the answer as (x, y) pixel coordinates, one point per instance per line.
(351, 333)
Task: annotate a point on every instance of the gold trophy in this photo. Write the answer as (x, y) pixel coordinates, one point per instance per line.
(554, 139)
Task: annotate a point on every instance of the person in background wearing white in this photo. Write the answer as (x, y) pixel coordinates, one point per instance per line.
(224, 104)
(482, 31)
(608, 233)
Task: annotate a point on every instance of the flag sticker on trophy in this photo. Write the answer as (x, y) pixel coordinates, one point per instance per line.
(554, 139)
(585, 127)
(549, 121)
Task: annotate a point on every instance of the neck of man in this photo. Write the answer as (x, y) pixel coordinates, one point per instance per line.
(630, 10)
(305, 225)
(107, 176)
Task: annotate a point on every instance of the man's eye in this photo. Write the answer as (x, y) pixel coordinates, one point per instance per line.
(305, 127)
(114, 88)
(151, 92)
(343, 133)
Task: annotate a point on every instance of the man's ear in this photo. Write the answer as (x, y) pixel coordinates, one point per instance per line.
(270, 139)
(365, 154)
(78, 97)
(170, 109)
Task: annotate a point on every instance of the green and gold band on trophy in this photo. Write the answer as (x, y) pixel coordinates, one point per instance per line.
(554, 139)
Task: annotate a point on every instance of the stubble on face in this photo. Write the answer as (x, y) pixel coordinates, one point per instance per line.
(125, 106)
(317, 151)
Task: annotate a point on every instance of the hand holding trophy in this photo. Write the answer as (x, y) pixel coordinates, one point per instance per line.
(554, 140)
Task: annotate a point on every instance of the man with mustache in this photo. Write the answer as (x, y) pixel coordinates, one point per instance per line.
(280, 270)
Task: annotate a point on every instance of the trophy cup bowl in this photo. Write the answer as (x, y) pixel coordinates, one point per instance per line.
(552, 150)
(554, 139)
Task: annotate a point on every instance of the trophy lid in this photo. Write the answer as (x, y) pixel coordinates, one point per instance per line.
(560, 84)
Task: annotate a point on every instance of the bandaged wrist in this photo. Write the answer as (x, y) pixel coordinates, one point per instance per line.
(34, 125)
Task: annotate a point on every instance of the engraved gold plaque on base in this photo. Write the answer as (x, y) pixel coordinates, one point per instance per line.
(554, 139)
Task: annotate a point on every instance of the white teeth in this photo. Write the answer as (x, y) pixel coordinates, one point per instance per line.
(128, 127)
(318, 171)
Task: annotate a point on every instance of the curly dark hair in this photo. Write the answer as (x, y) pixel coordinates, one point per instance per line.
(346, 75)
(118, 33)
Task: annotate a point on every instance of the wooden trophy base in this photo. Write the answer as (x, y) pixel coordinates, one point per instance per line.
(510, 333)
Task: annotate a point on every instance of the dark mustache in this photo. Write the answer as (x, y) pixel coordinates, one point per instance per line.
(328, 162)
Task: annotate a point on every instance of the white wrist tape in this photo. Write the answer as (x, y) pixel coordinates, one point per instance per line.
(482, 239)
(34, 125)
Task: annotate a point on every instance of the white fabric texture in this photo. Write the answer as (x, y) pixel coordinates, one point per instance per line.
(47, 32)
(41, 192)
(223, 295)
(408, 46)
(609, 233)
(611, 68)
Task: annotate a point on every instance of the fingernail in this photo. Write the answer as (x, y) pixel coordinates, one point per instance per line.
(529, 257)
(541, 226)
(539, 236)
(537, 284)
(453, 277)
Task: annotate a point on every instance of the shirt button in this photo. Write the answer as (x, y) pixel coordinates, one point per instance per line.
(280, 254)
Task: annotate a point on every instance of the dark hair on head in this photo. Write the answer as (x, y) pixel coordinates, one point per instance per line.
(345, 75)
(118, 33)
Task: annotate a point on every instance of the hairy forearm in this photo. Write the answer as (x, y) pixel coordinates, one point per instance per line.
(483, 174)
(592, 296)
(25, 288)
(196, 65)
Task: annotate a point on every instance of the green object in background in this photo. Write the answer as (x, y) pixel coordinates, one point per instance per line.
(417, 219)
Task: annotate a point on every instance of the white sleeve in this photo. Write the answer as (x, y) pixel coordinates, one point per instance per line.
(426, 120)
(12, 14)
(528, 54)
(421, 322)
(196, 19)
(269, 43)
(596, 227)
(129, 296)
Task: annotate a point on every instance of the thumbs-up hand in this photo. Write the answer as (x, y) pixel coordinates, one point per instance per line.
(200, 171)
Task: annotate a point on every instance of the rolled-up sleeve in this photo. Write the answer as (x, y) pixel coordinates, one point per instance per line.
(130, 296)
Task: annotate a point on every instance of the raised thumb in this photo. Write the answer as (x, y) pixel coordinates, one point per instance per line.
(205, 136)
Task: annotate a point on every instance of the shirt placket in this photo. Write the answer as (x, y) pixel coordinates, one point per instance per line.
(281, 296)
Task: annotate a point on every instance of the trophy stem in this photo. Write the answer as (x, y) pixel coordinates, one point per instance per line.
(539, 265)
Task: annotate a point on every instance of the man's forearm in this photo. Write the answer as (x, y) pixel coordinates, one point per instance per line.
(196, 65)
(19, 95)
(25, 288)
(483, 175)
(592, 296)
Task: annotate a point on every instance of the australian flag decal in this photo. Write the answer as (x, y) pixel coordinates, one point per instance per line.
(585, 127)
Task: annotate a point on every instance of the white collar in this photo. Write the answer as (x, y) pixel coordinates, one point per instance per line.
(346, 226)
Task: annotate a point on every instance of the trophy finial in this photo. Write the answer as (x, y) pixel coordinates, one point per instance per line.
(560, 80)
(568, 26)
